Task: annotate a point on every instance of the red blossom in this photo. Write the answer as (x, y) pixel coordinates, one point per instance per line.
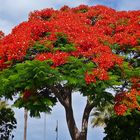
(128, 99)
(87, 27)
(101, 74)
(58, 58)
(26, 94)
(120, 109)
(89, 78)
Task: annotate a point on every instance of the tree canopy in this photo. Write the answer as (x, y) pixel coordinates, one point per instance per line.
(87, 49)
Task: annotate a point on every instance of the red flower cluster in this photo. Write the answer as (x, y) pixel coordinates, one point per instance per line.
(15, 45)
(93, 30)
(120, 109)
(105, 58)
(89, 78)
(126, 100)
(58, 58)
(135, 82)
(101, 74)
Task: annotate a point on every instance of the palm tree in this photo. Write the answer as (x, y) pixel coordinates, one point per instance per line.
(101, 114)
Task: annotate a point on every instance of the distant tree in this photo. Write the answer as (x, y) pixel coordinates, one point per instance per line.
(57, 52)
(123, 127)
(7, 121)
(101, 114)
(125, 123)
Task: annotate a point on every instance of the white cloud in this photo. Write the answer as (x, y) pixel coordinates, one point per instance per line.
(5, 25)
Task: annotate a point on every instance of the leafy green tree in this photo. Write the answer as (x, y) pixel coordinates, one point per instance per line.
(7, 121)
(117, 127)
(123, 127)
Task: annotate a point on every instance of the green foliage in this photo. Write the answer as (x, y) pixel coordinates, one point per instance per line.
(36, 104)
(62, 43)
(33, 75)
(115, 48)
(38, 47)
(65, 48)
(131, 71)
(27, 75)
(123, 127)
(73, 72)
(61, 40)
(138, 99)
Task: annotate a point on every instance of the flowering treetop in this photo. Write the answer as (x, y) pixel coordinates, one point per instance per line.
(89, 49)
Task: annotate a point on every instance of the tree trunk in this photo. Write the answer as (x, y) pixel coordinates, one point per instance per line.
(25, 123)
(74, 132)
(64, 95)
(89, 106)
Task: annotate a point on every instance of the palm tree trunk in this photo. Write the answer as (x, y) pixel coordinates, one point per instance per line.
(25, 123)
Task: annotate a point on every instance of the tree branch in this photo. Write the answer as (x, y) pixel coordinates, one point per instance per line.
(74, 132)
(61, 93)
(89, 106)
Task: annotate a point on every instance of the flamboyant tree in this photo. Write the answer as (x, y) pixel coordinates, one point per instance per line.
(57, 52)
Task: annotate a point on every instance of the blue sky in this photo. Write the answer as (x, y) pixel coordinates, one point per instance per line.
(12, 12)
